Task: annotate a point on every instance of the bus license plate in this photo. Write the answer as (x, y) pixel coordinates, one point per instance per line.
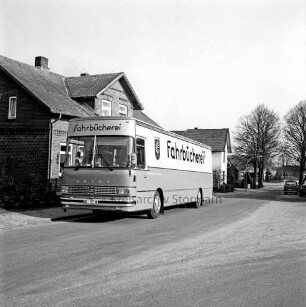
(91, 201)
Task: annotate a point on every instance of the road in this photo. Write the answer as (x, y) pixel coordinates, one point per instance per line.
(248, 250)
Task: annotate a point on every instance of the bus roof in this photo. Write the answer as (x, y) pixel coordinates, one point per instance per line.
(144, 124)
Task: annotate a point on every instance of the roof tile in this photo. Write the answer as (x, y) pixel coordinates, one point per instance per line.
(89, 85)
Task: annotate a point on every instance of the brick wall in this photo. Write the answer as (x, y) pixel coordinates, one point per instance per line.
(24, 141)
(30, 112)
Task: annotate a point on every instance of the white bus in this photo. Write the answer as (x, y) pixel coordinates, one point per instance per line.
(123, 164)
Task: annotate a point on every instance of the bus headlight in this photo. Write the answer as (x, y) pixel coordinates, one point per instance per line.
(124, 191)
(64, 189)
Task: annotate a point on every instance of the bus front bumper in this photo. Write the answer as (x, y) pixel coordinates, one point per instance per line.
(105, 203)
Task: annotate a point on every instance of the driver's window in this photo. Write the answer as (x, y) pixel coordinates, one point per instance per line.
(141, 157)
(83, 149)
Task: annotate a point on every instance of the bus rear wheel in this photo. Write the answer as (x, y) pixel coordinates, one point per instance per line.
(154, 212)
(199, 199)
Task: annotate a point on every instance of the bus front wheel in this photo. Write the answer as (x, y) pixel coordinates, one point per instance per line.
(156, 208)
(199, 199)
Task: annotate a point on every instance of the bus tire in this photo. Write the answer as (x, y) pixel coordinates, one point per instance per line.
(154, 212)
(199, 199)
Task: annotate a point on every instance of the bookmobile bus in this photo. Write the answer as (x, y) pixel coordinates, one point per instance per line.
(126, 165)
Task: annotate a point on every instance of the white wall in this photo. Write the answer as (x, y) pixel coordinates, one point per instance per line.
(218, 161)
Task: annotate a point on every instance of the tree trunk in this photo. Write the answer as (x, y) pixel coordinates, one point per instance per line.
(301, 171)
(255, 173)
(260, 174)
(260, 177)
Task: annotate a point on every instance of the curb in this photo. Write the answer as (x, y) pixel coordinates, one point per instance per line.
(245, 192)
(238, 193)
(53, 217)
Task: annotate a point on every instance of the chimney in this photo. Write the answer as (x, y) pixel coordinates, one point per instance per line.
(84, 74)
(41, 63)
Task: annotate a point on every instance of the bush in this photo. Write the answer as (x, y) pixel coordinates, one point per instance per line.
(225, 188)
(215, 189)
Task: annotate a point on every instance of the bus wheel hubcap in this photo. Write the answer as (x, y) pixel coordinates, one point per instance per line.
(156, 205)
(199, 198)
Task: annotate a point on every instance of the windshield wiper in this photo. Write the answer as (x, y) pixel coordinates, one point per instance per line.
(106, 162)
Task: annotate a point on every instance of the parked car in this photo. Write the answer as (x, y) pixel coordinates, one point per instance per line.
(302, 189)
(291, 186)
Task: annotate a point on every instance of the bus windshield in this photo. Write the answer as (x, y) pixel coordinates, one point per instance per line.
(99, 152)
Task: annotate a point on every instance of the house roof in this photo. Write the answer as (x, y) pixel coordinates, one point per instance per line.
(56, 92)
(145, 118)
(49, 88)
(91, 85)
(236, 161)
(217, 139)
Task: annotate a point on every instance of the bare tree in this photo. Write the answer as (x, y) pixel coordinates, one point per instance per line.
(295, 135)
(217, 177)
(257, 139)
(284, 160)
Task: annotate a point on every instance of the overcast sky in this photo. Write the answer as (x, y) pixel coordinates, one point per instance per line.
(191, 63)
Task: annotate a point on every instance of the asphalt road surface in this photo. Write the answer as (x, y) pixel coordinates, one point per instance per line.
(245, 251)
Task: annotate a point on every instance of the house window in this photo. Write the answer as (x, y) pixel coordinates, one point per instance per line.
(12, 107)
(224, 157)
(122, 110)
(106, 108)
(140, 149)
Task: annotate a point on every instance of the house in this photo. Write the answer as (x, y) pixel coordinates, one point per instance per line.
(287, 172)
(35, 107)
(238, 166)
(220, 142)
(236, 170)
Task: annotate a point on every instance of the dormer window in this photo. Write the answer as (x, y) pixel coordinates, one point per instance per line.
(12, 107)
(106, 108)
(122, 110)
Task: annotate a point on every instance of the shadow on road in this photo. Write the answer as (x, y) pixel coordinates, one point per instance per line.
(105, 217)
(91, 218)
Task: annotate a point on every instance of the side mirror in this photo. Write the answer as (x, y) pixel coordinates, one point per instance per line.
(133, 159)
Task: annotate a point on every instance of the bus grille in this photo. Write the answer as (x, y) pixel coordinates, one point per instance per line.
(93, 190)
(106, 190)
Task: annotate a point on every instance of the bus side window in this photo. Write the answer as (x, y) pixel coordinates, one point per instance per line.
(140, 149)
